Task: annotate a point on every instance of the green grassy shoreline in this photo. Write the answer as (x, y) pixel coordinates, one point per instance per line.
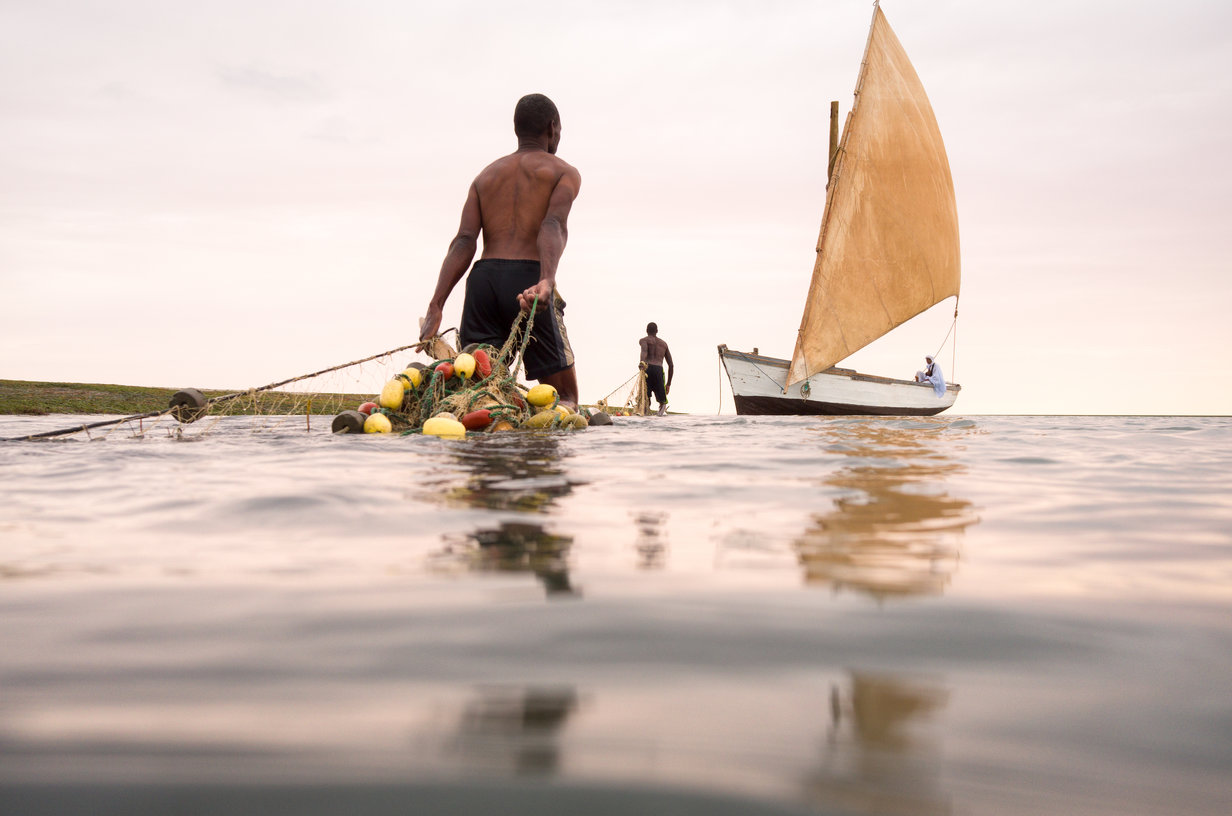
(40, 398)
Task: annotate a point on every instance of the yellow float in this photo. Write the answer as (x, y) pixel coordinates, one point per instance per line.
(575, 422)
(544, 419)
(444, 426)
(392, 394)
(542, 395)
(464, 365)
(377, 423)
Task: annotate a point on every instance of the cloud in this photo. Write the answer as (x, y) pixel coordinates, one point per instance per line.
(274, 87)
(333, 129)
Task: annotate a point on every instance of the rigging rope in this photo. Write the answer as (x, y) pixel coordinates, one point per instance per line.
(954, 348)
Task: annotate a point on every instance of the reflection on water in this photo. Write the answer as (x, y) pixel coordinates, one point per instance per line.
(527, 477)
(896, 531)
(651, 544)
(514, 730)
(513, 546)
(525, 474)
(881, 756)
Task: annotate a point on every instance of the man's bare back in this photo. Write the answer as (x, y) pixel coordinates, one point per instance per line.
(520, 204)
(653, 350)
(514, 193)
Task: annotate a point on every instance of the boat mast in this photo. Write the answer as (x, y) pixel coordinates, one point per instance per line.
(836, 150)
(833, 141)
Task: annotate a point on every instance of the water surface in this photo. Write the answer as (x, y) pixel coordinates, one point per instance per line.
(848, 615)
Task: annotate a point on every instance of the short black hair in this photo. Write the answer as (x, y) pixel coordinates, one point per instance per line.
(652, 328)
(534, 116)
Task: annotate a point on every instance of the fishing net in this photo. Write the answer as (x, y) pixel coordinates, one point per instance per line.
(630, 398)
(476, 389)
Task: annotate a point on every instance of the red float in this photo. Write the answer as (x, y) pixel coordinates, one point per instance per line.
(483, 363)
(477, 420)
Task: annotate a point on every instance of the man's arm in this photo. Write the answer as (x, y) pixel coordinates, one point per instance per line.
(553, 235)
(671, 369)
(457, 259)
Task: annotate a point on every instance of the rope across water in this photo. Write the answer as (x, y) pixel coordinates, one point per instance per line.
(526, 318)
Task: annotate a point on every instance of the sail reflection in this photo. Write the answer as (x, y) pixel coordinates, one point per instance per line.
(881, 755)
(896, 531)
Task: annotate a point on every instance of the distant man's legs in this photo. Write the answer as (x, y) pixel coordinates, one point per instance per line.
(655, 385)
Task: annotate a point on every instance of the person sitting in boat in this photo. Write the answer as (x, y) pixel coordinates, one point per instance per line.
(654, 352)
(932, 375)
(520, 204)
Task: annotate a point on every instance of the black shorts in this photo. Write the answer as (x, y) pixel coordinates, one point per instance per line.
(491, 307)
(654, 382)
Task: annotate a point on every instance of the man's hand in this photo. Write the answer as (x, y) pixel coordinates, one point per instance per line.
(430, 323)
(667, 389)
(541, 290)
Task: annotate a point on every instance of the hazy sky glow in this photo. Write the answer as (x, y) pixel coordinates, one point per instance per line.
(225, 194)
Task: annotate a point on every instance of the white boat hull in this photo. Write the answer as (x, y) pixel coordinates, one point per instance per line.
(757, 387)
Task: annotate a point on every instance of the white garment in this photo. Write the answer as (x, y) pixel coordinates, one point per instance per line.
(932, 375)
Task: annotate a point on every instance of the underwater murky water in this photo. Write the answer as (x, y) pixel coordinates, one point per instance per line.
(713, 615)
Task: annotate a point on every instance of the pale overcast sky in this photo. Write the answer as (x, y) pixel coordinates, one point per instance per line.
(225, 194)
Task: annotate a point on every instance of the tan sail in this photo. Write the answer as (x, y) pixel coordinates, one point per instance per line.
(888, 247)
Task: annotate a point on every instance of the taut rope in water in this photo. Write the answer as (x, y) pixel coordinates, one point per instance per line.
(213, 400)
(492, 400)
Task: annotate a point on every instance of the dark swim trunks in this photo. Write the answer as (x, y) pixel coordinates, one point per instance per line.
(491, 306)
(654, 382)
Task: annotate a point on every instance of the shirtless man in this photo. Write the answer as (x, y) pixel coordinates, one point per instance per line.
(520, 204)
(654, 352)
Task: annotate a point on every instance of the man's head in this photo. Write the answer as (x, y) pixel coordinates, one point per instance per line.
(536, 116)
(652, 328)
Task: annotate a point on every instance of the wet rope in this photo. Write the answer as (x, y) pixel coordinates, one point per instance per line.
(87, 427)
(214, 400)
(497, 390)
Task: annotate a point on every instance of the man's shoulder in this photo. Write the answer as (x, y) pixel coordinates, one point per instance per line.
(562, 170)
(544, 164)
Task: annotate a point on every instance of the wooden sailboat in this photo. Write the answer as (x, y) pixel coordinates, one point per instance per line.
(888, 250)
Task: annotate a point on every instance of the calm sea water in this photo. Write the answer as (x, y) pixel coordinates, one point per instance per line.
(1010, 615)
